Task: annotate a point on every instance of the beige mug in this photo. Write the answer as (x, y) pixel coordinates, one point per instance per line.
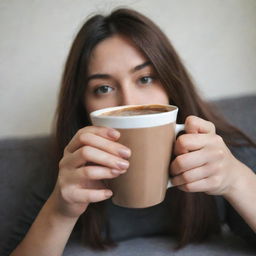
(149, 131)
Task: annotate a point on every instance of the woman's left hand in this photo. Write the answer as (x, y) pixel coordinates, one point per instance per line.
(203, 163)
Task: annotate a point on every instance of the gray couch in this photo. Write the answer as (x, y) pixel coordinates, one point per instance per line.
(24, 160)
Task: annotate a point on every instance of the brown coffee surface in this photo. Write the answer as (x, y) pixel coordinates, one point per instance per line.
(139, 110)
(145, 182)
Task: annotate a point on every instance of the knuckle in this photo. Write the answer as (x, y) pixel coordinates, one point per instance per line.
(191, 121)
(89, 173)
(80, 132)
(84, 138)
(180, 162)
(182, 141)
(61, 163)
(65, 151)
(85, 152)
(220, 153)
(81, 137)
(61, 181)
(65, 194)
(72, 195)
(187, 187)
(218, 139)
(186, 177)
(211, 125)
(85, 172)
(182, 144)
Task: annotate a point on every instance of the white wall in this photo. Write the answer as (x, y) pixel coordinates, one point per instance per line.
(215, 38)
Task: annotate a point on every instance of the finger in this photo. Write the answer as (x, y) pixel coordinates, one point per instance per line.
(80, 137)
(78, 179)
(80, 195)
(190, 142)
(189, 161)
(88, 154)
(194, 124)
(90, 139)
(193, 175)
(197, 186)
(92, 173)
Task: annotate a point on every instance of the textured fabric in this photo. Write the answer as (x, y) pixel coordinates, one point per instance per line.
(227, 245)
(139, 222)
(240, 111)
(26, 182)
(26, 168)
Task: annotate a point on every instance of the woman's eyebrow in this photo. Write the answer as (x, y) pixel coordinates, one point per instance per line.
(141, 66)
(98, 76)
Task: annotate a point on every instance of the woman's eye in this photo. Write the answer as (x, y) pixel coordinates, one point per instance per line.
(103, 89)
(146, 79)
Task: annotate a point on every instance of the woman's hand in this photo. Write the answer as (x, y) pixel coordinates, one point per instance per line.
(203, 162)
(91, 156)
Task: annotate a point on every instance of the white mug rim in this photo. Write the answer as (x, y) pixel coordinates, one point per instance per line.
(139, 121)
(104, 110)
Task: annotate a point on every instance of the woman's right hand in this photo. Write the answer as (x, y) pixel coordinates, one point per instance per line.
(91, 156)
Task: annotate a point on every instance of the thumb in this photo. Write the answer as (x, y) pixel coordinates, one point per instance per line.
(194, 124)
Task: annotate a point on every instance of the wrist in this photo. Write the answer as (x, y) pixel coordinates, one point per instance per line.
(241, 196)
(57, 210)
(240, 183)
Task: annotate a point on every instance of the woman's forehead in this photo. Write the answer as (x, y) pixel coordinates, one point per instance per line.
(113, 52)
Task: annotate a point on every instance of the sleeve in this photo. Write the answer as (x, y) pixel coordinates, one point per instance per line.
(238, 226)
(36, 196)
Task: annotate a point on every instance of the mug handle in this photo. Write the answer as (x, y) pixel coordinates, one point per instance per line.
(178, 128)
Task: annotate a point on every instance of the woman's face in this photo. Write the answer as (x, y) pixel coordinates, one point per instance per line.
(119, 74)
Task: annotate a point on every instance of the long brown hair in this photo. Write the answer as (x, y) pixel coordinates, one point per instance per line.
(194, 214)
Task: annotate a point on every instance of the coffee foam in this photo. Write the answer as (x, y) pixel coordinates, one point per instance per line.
(135, 111)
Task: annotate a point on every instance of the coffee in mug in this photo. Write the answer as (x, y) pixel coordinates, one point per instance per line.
(149, 131)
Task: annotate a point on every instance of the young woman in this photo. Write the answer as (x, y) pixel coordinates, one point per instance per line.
(124, 59)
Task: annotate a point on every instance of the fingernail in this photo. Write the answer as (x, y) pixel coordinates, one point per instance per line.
(108, 193)
(114, 134)
(125, 153)
(122, 164)
(115, 171)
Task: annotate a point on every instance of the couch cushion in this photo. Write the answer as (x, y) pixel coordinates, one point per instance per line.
(226, 245)
(24, 161)
(240, 111)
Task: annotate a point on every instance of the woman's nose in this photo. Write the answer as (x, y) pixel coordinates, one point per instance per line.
(128, 98)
